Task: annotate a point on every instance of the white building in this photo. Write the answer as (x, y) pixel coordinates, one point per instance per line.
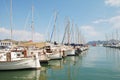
(5, 43)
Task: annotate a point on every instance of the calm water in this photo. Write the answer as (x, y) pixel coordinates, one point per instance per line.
(98, 63)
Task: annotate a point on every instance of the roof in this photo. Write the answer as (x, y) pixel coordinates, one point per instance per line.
(36, 44)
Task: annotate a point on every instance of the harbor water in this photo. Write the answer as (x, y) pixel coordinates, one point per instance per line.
(98, 63)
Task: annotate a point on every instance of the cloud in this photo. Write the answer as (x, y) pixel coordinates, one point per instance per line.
(113, 21)
(100, 21)
(20, 35)
(4, 31)
(115, 3)
(89, 30)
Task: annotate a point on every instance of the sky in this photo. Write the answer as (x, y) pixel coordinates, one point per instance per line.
(94, 18)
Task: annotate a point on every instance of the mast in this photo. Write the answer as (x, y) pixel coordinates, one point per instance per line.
(117, 35)
(55, 25)
(72, 33)
(78, 35)
(64, 34)
(32, 26)
(68, 32)
(47, 32)
(106, 37)
(11, 19)
(54, 28)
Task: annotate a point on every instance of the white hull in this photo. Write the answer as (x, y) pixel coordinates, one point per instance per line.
(23, 63)
(43, 58)
(56, 55)
(69, 52)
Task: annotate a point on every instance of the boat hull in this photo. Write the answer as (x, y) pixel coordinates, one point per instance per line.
(78, 51)
(25, 63)
(55, 55)
(70, 52)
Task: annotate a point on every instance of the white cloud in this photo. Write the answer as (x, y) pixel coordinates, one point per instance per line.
(115, 3)
(4, 31)
(113, 21)
(89, 30)
(20, 35)
(100, 21)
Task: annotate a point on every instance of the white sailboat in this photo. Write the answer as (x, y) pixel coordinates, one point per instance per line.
(53, 52)
(14, 60)
(68, 50)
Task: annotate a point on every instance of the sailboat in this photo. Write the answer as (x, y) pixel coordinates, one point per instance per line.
(68, 50)
(53, 50)
(17, 60)
(12, 61)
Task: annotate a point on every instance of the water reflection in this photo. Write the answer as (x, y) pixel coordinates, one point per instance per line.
(20, 75)
(65, 69)
(73, 65)
(43, 75)
(113, 56)
(55, 64)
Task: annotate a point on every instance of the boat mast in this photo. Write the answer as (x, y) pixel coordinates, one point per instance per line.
(65, 32)
(78, 35)
(54, 28)
(66, 35)
(32, 26)
(72, 33)
(11, 19)
(117, 35)
(68, 32)
(55, 25)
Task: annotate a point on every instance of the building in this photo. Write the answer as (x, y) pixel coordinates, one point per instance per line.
(5, 43)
